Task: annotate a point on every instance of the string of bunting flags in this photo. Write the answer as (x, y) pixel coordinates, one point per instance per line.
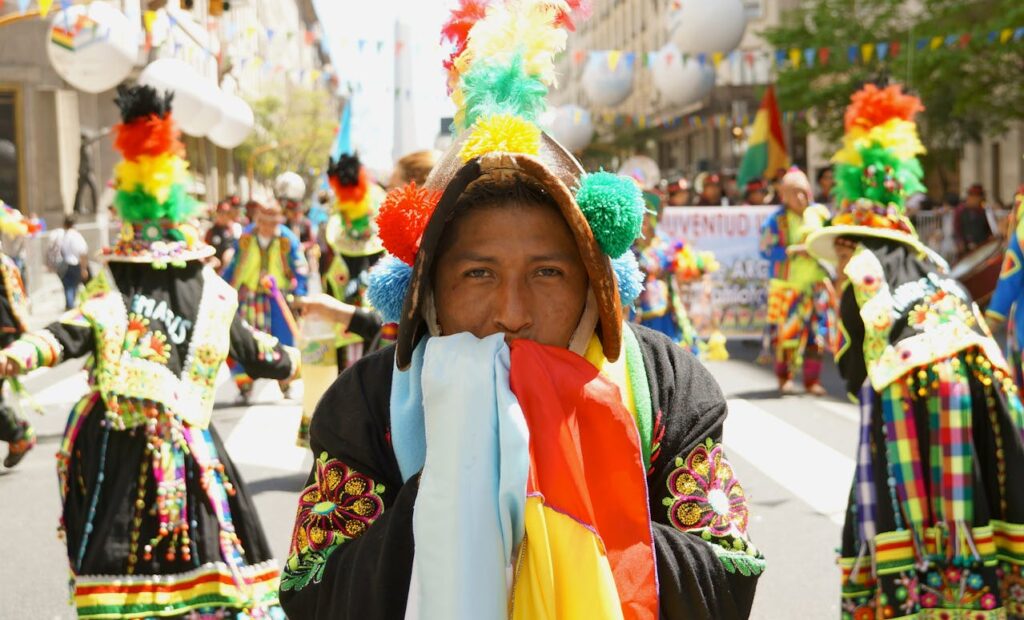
(808, 56)
(693, 121)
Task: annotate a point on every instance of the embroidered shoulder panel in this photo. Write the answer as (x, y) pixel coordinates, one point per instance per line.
(706, 499)
(337, 507)
(14, 288)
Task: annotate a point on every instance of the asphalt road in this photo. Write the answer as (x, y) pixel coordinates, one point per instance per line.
(794, 457)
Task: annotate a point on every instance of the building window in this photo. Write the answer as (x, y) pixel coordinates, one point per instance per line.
(755, 8)
(10, 148)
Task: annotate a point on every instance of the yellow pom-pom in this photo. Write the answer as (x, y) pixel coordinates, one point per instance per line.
(154, 175)
(896, 134)
(501, 133)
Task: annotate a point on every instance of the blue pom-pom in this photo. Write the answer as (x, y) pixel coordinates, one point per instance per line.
(389, 281)
(629, 277)
(614, 208)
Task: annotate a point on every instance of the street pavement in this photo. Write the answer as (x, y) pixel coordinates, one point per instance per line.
(793, 455)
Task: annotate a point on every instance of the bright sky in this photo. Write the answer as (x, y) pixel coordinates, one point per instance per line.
(361, 36)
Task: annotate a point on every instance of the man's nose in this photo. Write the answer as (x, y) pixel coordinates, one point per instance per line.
(512, 313)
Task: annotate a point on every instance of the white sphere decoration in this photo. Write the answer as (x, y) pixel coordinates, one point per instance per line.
(289, 186)
(92, 47)
(707, 26)
(607, 85)
(680, 82)
(572, 127)
(197, 101)
(643, 169)
(236, 125)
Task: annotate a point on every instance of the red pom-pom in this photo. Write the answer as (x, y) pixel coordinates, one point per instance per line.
(351, 193)
(150, 135)
(572, 10)
(872, 106)
(403, 217)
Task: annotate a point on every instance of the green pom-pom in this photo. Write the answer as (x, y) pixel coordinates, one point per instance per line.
(614, 207)
(138, 206)
(883, 178)
(500, 88)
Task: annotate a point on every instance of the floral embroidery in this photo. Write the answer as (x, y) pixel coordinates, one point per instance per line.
(707, 500)
(339, 506)
(940, 308)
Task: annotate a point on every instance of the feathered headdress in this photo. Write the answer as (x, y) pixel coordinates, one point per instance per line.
(353, 232)
(876, 170)
(12, 222)
(499, 73)
(152, 196)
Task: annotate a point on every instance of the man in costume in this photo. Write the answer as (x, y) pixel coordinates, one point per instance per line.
(801, 313)
(352, 236)
(15, 431)
(157, 521)
(935, 521)
(464, 472)
(268, 270)
(1006, 300)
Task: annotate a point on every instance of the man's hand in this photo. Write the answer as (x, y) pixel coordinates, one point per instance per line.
(325, 307)
(8, 367)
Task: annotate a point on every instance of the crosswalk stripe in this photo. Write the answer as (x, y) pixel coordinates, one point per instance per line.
(815, 473)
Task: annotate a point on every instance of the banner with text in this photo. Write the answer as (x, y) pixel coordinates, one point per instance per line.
(738, 299)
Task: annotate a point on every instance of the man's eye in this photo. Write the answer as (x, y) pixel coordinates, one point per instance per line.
(549, 272)
(476, 273)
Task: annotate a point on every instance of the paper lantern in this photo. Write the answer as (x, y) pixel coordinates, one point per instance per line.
(236, 124)
(197, 100)
(608, 77)
(680, 82)
(707, 26)
(642, 168)
(571, 126)
(92, 47)
(289, 186)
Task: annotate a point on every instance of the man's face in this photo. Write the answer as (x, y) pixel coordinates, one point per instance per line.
(713, 192)
(973, 200)
(679, 198)
(756, 197)
(267, 221)
(511, 269)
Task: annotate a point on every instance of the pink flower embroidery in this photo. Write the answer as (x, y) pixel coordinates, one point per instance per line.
(338, 506)
(706, 494)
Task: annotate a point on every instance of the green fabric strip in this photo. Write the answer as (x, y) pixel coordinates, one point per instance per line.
(641, 392)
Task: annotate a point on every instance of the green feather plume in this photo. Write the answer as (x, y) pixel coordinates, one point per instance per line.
(492, 88)
(138, 206)
(883, 178)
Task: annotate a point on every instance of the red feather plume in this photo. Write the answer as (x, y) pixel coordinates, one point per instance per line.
(456, 29)
(403, 217)
(350, 193)
(872, 106)
(577, 10)
(149, 135)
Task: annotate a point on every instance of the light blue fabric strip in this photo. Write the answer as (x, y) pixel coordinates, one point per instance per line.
(479, 448)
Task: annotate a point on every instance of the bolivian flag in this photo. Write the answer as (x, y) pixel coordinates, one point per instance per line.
(766, 150)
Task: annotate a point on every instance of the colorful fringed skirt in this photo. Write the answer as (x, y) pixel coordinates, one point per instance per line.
(935, 526)
(800, 319)
(157, 521)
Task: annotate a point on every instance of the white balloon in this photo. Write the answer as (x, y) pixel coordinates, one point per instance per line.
(289, 186)
(92, 47)
(680, 82)
(236, 125)
(197, 100)
(708, 26)
(642, 168)
(607, 86)
(572, 127)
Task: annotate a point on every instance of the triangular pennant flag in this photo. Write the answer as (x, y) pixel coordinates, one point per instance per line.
(965, 39)
(270, 34)
(380, 46)
(823, 55)
(809, 55)
(630, 59)
(951, 40)
(936, 43)
(867, 52)
(894, 49)
(780, 57)
(578, 56)
(794, 58)
(148, 19)
(922, 43)
(992, 36)
(361, 43)
(716, 58)
(22, 5)
(851, 54)
(1005, 35)
(883, 50)
(1018, 34)
(734, 58)
(44, 7)
(702, 59)
(650, 58)
(613, 57)
(749, 57)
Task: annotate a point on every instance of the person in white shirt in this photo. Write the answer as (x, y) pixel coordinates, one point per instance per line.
(75, 260)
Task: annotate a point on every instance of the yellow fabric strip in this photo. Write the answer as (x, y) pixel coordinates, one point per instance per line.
(562, 572)
(616, 371)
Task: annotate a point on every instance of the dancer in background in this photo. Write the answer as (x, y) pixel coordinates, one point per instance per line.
(936, 516)
(157, 520)
(1006, 300)
(14, 430)
(801, 300)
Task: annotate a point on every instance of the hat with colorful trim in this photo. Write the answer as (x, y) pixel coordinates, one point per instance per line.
(352, 230)
(876, 170)
(151, 181)
(13, 222)
(499, 75)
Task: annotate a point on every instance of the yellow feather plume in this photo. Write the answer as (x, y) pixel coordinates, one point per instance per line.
(356, 210)
(896, 134)
(517, 26)
(154, 175)
(501, 133)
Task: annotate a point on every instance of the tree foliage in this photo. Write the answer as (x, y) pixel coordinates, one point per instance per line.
(970, 88)
(302, 123)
